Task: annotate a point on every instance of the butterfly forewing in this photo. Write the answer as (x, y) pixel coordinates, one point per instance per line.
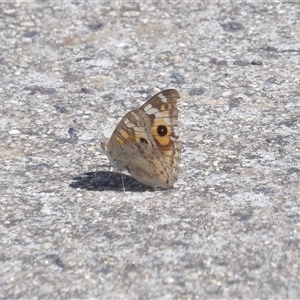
(163, 114)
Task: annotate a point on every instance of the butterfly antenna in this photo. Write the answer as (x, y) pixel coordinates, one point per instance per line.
(95, 115)
(93, 132)
(84, 127)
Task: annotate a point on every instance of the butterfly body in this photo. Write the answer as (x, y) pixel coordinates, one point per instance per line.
(145, 144)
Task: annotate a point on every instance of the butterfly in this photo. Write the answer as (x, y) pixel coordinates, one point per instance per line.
(145, 143)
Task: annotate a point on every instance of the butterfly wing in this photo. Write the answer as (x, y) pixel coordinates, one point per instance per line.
(145, 143)
(163, 114)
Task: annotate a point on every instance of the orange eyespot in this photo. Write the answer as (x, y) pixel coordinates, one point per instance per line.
(162, 130)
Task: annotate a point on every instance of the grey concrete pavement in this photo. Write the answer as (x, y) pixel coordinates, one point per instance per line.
(229, 228)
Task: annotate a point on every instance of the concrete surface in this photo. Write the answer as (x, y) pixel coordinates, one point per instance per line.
(229, 229)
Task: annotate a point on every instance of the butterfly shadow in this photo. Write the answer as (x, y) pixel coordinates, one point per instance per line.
(107, 181)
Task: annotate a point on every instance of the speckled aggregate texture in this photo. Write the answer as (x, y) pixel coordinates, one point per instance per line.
(229, 228)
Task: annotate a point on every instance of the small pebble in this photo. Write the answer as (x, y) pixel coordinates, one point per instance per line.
(168, 280)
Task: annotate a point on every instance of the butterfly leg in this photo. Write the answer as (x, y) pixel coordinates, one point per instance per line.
(93, 181)
(123, 182)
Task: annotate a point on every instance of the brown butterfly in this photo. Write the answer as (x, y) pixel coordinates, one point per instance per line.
(145, 144)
